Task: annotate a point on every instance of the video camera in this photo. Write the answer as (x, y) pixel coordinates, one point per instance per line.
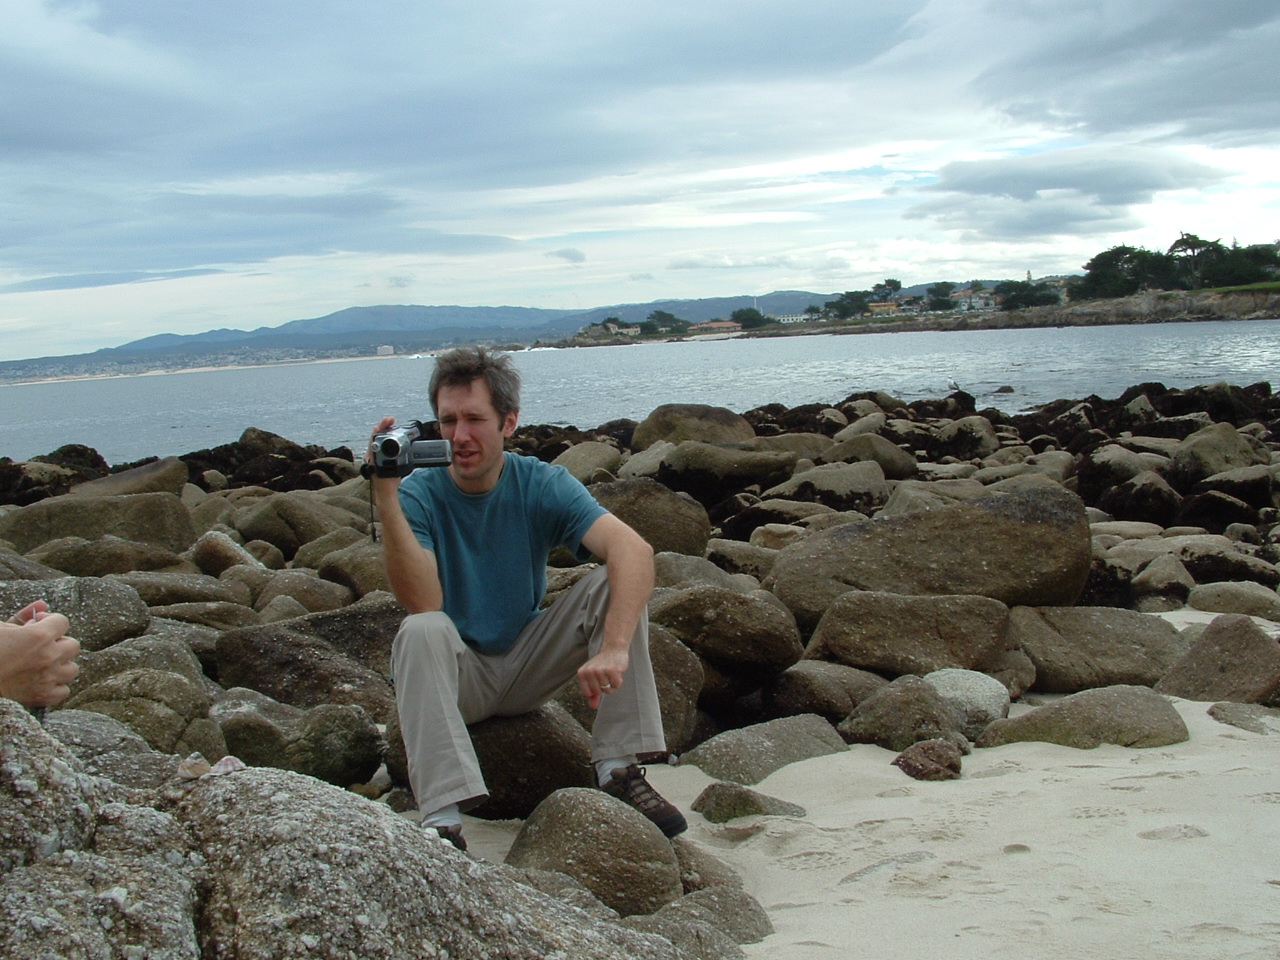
(400, 451)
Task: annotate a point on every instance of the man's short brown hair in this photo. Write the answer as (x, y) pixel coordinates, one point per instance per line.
(458, 367)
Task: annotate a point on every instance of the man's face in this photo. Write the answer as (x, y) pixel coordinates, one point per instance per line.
(469, 421)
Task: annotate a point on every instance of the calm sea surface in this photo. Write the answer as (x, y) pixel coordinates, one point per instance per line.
(128, 418)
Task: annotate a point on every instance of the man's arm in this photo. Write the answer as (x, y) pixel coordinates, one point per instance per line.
(629, 560)
(412, 571)
(415, 579)
(37, 659)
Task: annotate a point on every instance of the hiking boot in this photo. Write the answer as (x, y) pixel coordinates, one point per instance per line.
(452, 833)
(629, 785)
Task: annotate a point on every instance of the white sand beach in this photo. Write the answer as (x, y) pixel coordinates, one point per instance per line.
(1037, 852)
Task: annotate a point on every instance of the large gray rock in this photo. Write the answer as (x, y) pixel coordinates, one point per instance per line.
(1079, 648)
(917, 496)
(214, 552)
(978, 699)
(168, 475)
(14, 566)
(681, 570)
(1256, 485)
(1127, 716)
(1106, 466)
(1146, 498)
(131, 895)
(158, 589)
(896, 463)
(158, 518)
(216, 614)
(744, 636)
(254, 864)
(615, 851)
(527, 758)
(1212, 450)
(750, 754)
(300, 669)
(47, 803)
(1024, 548)
(313, 593)
(1249, 598)
(668, 521)
(738, 557)
(676, 422)
(726, 910)
(907, 711)
(1232, 659)
(305, 869)
(101, 612)
(841, 486)
(831, 690)
(166, 709)
(968, 438)
(111, 749)
(363, 631)
(741, 524)
(895, 634)
(710, 473)
(170, 653)
(79, 557)
(723, 801)
(337, 743)
(358, 567)
(312, 555)
(1209, 558)
(582, 460)
(289, 520)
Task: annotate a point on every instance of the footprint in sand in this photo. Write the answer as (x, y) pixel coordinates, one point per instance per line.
(1098, 813)
(1177, 831)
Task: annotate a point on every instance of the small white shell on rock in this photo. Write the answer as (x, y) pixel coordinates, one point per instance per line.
(193, 767)
(227, 764)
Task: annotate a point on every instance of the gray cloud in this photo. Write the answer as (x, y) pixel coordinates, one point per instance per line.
(726, 262)
(1072, 191)
(86, 280)
(1185, 69)
(570, 254)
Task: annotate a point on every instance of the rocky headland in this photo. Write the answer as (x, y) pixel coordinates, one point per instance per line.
(227, 778)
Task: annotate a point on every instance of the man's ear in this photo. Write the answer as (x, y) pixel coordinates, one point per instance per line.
(509, 423)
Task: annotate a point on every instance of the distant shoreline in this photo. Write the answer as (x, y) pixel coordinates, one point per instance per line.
(1149, 308)
(204, 369)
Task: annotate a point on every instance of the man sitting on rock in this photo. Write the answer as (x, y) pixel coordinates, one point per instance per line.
(37, 658)
(466, 552)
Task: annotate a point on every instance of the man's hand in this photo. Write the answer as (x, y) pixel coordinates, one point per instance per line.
(37, 658)
(602, 674)
(415, 580)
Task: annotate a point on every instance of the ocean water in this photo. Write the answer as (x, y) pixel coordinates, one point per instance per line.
(336, 403)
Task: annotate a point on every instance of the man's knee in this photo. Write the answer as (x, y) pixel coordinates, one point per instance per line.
(427, 627)
(425, 637)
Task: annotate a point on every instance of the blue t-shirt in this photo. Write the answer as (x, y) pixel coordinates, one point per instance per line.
(491, 548)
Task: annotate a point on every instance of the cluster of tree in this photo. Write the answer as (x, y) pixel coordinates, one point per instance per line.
(855, 303)
(1190, 263)
(1016, 294)
(662, 321)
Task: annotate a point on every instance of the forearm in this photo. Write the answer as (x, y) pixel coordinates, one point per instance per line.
(411, 570)
(630, 568)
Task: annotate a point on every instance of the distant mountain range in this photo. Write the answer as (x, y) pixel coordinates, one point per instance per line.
(361, 330)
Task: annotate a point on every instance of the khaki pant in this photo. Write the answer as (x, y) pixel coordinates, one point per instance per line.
(442, 685)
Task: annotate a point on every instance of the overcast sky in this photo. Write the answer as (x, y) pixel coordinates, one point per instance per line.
(180, 167)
